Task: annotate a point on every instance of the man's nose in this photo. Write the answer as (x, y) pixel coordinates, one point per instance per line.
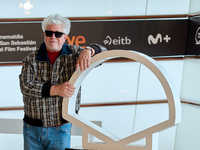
(53, 35)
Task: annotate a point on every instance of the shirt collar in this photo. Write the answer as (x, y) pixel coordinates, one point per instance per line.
(42, 53)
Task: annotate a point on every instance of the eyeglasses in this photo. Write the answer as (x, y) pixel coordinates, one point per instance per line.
(56, 33)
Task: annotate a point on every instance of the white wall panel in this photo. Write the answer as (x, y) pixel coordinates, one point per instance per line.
(194, 6)
(11, 142)
(118, 120)
(125, 7)
(188, 132)
(191, 80)
(77, 8)
(150, 87)
(111, 82)
(12, 114)
(148, 115)
(168, 7)
(175, 69)
(76, 142)
(167, 139)
(9, 87)
(151, 114)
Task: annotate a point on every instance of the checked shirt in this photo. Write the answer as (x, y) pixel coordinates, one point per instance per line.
(37, 71)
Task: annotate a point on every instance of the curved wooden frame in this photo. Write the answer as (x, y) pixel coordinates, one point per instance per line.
(111, 141)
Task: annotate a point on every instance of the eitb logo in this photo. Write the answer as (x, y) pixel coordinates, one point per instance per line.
(117, 41)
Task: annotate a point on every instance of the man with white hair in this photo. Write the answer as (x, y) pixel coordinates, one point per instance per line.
(44, 82)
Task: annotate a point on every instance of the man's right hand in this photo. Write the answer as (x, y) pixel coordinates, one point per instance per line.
(63, 90)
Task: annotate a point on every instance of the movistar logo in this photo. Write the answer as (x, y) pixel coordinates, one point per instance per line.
(117, 41)
(158, 38)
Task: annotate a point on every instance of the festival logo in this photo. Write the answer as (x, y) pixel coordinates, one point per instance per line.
(197, 36)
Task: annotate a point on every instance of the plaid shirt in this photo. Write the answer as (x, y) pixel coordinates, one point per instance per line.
(38, 71)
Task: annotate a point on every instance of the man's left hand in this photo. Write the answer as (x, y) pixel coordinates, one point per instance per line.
(84, 59)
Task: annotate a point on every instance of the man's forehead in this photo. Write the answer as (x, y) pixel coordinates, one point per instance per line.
(55, 27)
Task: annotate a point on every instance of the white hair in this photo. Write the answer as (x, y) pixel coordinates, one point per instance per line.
(57, 20)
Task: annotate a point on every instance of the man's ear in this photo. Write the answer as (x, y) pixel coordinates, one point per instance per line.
(44, 36)
(65, 36)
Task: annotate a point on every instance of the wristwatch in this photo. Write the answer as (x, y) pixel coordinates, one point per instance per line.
(90, 48)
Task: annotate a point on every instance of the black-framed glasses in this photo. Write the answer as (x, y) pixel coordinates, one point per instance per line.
(56, 33)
